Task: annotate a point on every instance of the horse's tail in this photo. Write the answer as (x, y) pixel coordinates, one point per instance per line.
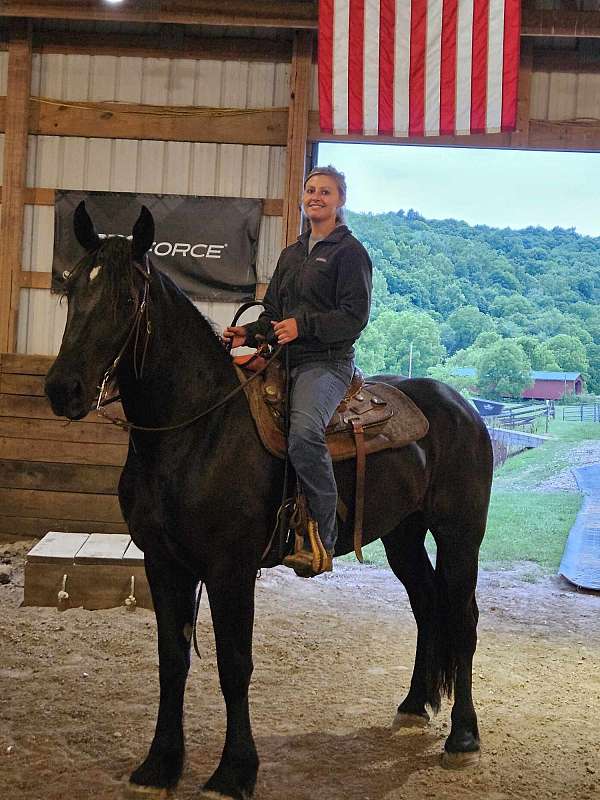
(441, 664)
(454, 620)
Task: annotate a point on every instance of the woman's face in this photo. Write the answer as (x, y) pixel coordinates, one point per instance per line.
(321, 199)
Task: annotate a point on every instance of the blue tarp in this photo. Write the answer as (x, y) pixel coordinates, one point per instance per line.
(581, 559)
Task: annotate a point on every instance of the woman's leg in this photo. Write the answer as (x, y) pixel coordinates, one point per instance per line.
(317, 390)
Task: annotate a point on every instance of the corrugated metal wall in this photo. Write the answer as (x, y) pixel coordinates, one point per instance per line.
(146, 166)
(560, 96)
(558, 92)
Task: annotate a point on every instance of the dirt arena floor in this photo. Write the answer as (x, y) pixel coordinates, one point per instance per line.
(333, 657)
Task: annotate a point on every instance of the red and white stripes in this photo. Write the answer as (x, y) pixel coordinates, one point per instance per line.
(418, 67)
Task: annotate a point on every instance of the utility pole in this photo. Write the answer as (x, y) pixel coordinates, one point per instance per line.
(410, 360)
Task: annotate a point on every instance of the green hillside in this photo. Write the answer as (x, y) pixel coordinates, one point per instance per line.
(505, 301)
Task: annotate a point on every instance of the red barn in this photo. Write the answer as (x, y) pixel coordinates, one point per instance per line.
(546, 385)
(553, 385)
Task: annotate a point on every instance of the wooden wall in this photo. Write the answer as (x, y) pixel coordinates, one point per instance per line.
(54, 475)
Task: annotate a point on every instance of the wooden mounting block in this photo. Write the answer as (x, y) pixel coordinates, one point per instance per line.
(93, 570)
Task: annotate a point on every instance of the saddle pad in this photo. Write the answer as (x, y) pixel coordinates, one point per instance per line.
(404, 423)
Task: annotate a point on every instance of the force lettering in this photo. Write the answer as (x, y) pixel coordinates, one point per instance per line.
(183, 249)
(198, 250)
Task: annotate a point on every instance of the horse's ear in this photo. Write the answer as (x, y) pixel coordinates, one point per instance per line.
(84, 228)
(143, 234)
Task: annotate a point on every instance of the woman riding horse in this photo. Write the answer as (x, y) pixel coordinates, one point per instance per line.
(317, 303)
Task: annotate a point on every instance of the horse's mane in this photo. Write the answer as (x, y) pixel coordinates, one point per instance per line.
(169, 285)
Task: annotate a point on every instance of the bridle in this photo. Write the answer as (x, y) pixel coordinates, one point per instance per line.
(143, 315)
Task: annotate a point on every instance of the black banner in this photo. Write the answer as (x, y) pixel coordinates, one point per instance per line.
(207, 245)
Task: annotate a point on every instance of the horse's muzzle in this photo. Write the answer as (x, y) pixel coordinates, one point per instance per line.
(66, 396)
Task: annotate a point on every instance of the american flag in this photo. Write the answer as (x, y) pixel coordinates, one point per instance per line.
(418, 67)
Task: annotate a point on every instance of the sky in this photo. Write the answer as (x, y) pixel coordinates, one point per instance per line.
(500, 188)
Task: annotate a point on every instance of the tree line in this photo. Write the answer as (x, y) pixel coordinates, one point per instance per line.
(447, 294)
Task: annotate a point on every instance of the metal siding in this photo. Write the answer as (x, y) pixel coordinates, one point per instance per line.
(146, 166)
(557, 96)
(42, 320)
(540, 91)
(160, 81)
(588, 94)
(563, 96)
(281, 97)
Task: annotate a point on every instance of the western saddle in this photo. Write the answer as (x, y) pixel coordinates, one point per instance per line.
(371, 417)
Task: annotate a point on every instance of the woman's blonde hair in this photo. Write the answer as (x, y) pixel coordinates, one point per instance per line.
(340, 181)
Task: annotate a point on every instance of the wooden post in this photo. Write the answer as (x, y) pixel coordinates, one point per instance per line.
(13, 181)
(300, 92)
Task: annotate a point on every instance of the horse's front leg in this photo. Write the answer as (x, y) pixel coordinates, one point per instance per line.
(173, 594)
(231, 593)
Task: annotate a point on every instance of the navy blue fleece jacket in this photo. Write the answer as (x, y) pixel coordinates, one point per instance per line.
(327, 292)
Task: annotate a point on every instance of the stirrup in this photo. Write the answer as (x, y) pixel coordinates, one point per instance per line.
(309, 563)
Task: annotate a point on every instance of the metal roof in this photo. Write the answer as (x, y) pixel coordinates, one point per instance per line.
(537, 375)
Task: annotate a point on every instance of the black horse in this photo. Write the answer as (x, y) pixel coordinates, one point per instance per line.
(201, 500)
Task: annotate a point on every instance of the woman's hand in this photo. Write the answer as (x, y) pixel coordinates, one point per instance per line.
(237, 335)
(286, 330)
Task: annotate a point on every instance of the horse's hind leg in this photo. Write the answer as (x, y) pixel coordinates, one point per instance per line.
(231, 593)
(173, 594)
(410, 563)
(456, 576)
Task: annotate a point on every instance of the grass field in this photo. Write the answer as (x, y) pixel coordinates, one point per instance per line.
(524, 523)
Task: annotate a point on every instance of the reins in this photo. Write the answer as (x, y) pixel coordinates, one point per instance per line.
(143, 311)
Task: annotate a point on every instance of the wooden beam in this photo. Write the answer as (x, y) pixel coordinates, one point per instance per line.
(134, 121)
(300, 91)
(36, 196)
(35, 280)
(227, 48)
(579, 137)
(582, 137)
(272, 207)
(479, 140)
(551, 60)
(15, 161)
(576, 24)
(229, 13)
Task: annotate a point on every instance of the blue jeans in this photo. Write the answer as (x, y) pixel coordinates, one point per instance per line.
(317, 390)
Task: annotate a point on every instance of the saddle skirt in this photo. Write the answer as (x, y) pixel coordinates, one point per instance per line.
(386, 417)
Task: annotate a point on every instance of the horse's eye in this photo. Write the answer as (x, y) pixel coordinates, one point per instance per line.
(95, 272)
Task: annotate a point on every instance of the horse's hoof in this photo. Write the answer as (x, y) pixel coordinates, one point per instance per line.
(404, 720)
(208, 794)
(460, 760)
(134, 791)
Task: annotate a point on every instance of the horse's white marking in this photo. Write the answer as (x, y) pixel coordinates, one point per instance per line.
(95, 272)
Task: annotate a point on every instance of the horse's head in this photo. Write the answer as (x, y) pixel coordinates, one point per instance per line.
(103, 291)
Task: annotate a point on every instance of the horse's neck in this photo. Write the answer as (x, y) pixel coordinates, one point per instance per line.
(185, 367)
